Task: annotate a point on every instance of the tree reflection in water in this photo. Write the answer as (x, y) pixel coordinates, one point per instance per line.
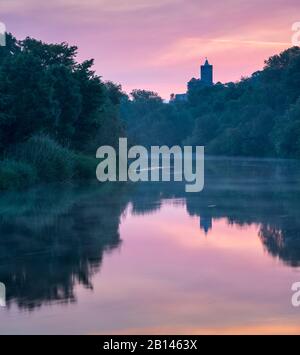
(53, 238)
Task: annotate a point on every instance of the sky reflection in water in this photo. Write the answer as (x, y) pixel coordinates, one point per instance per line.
(148, 258)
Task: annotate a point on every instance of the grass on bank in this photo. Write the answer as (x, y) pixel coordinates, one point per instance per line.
(41, 159)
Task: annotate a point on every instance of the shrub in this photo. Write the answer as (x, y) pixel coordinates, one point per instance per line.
(51, 161)
(16, 175)
(84, 167)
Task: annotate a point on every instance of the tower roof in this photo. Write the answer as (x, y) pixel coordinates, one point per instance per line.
(206, 62)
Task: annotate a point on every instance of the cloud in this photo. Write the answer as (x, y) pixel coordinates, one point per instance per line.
(192, 48)
(91, 5)
(160, 43)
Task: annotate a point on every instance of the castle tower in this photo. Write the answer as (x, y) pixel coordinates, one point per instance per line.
(207, 73)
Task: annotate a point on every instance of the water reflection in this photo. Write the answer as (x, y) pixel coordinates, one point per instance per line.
(53, 238)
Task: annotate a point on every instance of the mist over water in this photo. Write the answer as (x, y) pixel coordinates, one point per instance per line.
(150, 258)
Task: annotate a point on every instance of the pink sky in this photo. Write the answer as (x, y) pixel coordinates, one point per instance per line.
(160, 44)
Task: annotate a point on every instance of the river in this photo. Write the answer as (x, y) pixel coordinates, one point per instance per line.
(148, 258)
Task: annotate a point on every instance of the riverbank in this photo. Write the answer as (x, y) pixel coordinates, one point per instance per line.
(42, 160)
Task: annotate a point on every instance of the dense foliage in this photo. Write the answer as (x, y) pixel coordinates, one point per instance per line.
(257, 116)
(55, 113)
(52, 105)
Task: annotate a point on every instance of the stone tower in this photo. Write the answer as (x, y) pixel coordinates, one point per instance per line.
(207, 73)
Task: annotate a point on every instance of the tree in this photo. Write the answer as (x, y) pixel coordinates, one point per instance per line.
(43, 89)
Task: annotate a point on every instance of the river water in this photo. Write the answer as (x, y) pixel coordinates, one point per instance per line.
(149, 258)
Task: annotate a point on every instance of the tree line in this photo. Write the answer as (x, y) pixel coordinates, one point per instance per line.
(55, 112)
(257, 116)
